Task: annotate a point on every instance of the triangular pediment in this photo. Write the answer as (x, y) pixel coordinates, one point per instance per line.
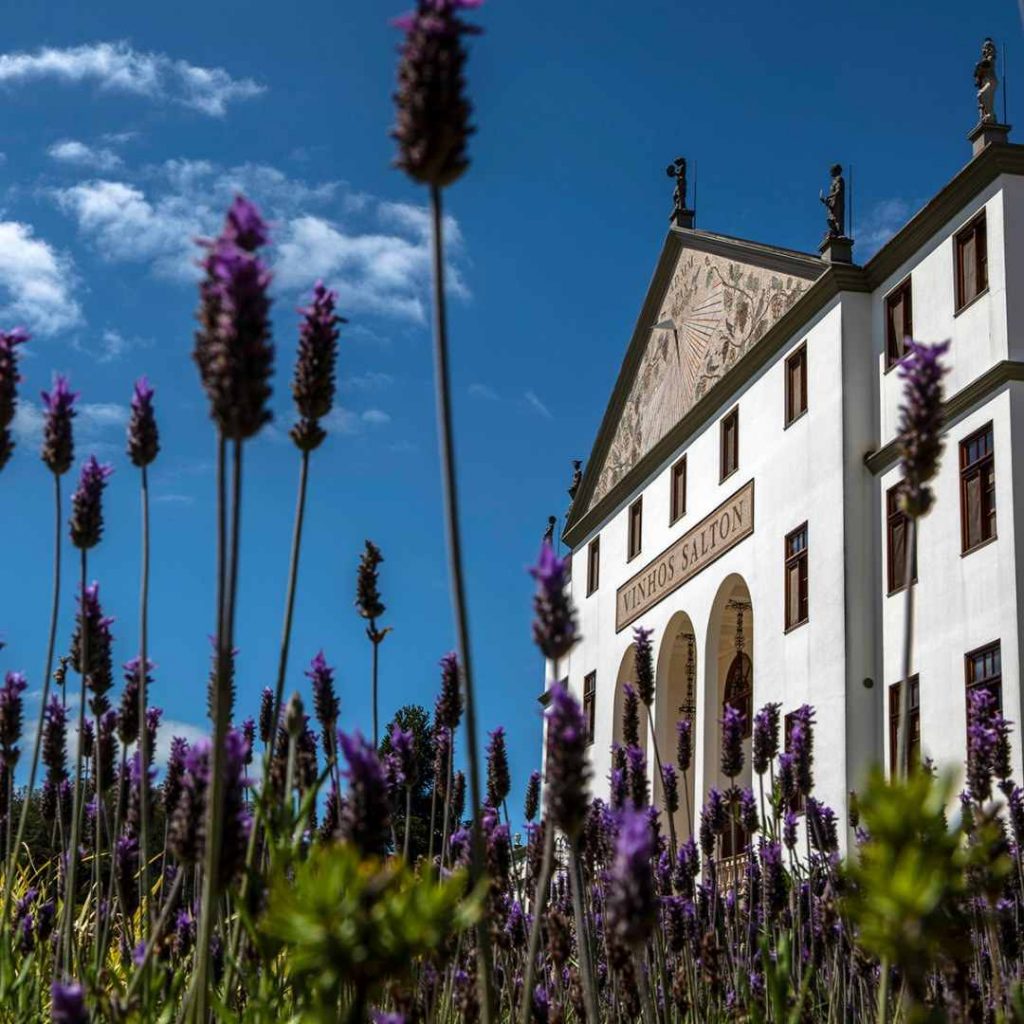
(710, 302)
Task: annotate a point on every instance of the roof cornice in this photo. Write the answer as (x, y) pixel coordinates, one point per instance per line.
(995, 159)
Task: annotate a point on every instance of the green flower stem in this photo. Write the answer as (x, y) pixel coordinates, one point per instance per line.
(144, 751)
(540, 898)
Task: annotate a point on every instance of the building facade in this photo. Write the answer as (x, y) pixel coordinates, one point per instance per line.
(739, 497)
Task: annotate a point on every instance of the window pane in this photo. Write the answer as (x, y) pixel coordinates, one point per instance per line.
(972, 496)
(898, 553)
(968, 269)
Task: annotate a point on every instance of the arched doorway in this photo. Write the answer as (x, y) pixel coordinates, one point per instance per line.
(729, 681)
(676, 698)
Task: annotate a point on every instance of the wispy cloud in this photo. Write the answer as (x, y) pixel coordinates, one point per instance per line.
(881, 221)
(36, 280)
(348, 422)
(117, 67)
(484, 391)
(97, 424)
(73, 151)
(372, 380)
(169, 728)
(537, 405)
(111, 345)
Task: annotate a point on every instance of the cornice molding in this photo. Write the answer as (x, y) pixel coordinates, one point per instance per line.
(963, 401)
(983, 169)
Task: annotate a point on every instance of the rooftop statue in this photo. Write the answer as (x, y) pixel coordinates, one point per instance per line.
(835, 203)
(677, 170)
(986, 82)
(577, 476)
(549, 530)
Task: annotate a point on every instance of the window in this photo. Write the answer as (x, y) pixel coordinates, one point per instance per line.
(796, 577)
(913, 720)
(796, 805)
(899, 322)
(971, 252)
(897, 522)
(589, 702)
(636, 528)
(977, 489)
(796, 385)
(739, 690)
(593, 565)
(730, 443)
(678, 498)
(985, 672)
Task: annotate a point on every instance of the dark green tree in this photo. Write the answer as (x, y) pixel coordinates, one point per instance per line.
(416, 719)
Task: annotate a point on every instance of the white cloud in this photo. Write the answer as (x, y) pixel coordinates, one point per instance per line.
(36, 280)
(879, 224)
(95, 424)
(72, 151)
(116, 67)
(376, 417)
(483, 391)
(347, 422)
(167, 730)
(372, 380)
(537, 405)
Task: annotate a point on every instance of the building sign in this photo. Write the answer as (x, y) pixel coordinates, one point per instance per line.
(711, 538)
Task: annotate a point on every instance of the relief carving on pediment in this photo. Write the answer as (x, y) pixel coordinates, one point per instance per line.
(720, 309)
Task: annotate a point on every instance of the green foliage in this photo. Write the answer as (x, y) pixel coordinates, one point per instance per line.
(416, 719)
(347, 925)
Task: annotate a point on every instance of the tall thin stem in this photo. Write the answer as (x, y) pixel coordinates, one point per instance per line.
(451, 503)
(47, 670)
(374, 676)
(76, 804)
(901, 768)
(590, 1003)
(540, 898)
(144, 752)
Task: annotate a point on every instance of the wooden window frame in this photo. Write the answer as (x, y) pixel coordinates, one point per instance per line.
(970, 234)
(635, 529)
(590, 703)
(914, 718)
(593, 565)
(675, 512)
(894, 351)
(798, 355)
(968, 471)
(732, 417)
(895, 516)
(992, 682)
(803, 597)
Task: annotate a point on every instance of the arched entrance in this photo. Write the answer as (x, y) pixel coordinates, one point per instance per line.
(676, 698)
(729, 678)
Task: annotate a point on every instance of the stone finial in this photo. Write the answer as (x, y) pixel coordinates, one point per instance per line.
(682, 216)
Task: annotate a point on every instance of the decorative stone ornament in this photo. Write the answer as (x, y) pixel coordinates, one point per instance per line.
(836, 246)
(986, 82)
(681, 216)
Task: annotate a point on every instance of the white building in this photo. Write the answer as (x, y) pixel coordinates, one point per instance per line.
(736, 496)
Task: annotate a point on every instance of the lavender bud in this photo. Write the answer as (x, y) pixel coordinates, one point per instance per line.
(554, 624)
(174, 774)
(365, 814)
(313, 383)
(920, 424)
(55, 741)
(644, 661)
(143, 436)
(106, 748)
(458, 797)
(10, 717)
(186, 830)
(325, 701)
(368, 600)
(9, 379)
(128, 713)
(774, 875)
(233, 350)
(87, 739)
(266, 715)
(637, 760)
(532, 801)
(403, 743)
(432, 109)
(442, 754)
(821, 826)
(687, 867)
(982, 743)
(448, 706)
(684, 744)
(630, 716)
(801, 745)
(499, 782)
(732, 723)
(631, 901)
(765, 742)
(126, 867)
(249, 735)
(153, 716)
(87, 505)
(58, 440)
(68, 1003)
(749, 818)
(670, 788)
(99, 673)
(567, 770)
(789, 824)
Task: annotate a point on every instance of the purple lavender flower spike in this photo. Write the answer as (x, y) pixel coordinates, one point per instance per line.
(9, 379)
(365, 813)
(920, 424)
(801, 745)
(448, 706)
(982, 743)
(10, 718)
(631, 901)
(789, 824)
(630, 716)
(325, 700)
(403, 743)
(55, 741)
(432, 108)
(143, 435)
(684, 744)
(87, 505)
(99, 672)
(68, 1004)
(499, 781)
(313, 383)
(749, 818)
(732, 741)
(643, 658)
(58, 439)
(670, 788)
(567, 770)
(368, 601)
(266, 715)
(636, 759)
(244, 225)
(532, 800)
(554, 624)
(765, 741)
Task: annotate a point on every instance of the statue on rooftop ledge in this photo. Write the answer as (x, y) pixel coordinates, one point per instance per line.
(835, 203)
(680, 214)
(549, 532)
(986, 82)
(577, 476)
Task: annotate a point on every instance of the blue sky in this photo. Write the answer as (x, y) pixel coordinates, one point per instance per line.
(125, 131)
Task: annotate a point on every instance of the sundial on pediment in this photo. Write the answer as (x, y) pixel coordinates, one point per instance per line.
(715, 309)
